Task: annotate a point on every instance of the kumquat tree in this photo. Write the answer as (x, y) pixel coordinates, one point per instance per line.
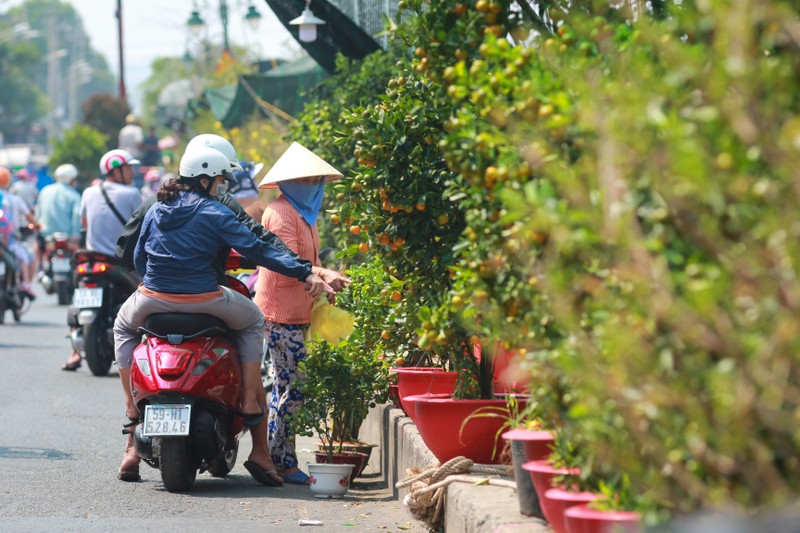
(610, 190)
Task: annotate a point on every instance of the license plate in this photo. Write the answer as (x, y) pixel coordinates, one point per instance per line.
(85, 298)
(61, 265)
(166, 420)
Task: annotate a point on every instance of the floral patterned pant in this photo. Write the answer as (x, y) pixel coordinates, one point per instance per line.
(286, 348)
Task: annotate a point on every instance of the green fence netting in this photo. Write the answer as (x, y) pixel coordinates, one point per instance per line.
(278, 92)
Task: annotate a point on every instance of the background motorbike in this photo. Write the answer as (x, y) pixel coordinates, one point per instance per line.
(102, 284)
(186, 382)
(56, 269)
(11, 298)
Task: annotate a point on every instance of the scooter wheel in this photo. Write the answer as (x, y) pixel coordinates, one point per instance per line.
(64, 291)
(2, 302)
(99, 353)
(178, 470)
(221, 466)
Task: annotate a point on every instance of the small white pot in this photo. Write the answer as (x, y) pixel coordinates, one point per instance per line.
(329, 480)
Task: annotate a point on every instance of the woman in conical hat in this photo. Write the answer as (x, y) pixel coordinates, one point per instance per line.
(300, 175)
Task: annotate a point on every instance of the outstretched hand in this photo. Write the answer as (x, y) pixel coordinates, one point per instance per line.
(315, 286)
(333, 278)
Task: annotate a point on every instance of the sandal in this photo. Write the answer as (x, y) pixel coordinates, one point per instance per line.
(263, 476)
(129, 474)
(126, 428)
(252, 420)
(296, 478)
(71, 366)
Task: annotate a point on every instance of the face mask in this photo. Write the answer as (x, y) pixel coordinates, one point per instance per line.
(307, 199)
(222, 189)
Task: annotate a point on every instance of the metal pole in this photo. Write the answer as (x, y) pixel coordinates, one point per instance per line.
(223, 14)
(122, 94)
(52, 81)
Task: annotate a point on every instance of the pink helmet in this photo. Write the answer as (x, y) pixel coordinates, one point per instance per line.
(152, 175)
(5, 227)
(25, 175)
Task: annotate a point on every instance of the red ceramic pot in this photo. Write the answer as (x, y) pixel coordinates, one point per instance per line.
(439, 419)
(357, 459)
(411, 401)
(558, 500)
(394, 396)
(581, 519)
(352, 446)
(421, 380)
(537, 444)
(542, 474)
(505, 369)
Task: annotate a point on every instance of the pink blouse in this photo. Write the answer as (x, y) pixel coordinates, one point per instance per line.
(283, 299)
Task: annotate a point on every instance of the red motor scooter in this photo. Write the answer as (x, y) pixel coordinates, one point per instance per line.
(186, 382)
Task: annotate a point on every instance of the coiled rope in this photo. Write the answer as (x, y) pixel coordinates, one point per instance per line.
(428, 490)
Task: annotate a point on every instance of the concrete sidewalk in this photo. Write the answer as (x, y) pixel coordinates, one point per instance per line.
(468, 508)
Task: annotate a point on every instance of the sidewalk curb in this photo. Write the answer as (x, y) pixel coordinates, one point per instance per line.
(468, 508)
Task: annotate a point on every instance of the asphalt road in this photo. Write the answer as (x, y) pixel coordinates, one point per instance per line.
(61, 444)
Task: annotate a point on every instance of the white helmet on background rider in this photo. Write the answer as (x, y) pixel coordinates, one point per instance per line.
(115, 159)
(204, 161)
(218, 143)
(65, 173)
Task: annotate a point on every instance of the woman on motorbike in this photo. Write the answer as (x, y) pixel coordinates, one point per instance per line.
(180, 236)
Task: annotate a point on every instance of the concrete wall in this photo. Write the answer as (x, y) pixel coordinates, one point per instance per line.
(468, 508)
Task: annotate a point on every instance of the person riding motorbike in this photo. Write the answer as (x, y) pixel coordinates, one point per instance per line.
(104, 210)
(58, 212)
(17, 211)
(58, 208)
(179, 239)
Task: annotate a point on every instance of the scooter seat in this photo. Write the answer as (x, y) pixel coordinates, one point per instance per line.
(184, 324)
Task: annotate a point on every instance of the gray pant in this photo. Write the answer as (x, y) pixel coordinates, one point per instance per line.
(237, 311)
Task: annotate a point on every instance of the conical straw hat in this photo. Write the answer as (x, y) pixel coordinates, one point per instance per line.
(298, 162)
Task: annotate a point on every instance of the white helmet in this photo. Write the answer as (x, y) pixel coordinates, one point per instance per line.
(115, 159)
(217, 143)
(205, 161)
(65, 173)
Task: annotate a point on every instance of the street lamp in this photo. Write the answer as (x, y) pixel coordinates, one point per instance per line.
(308, 24)
(253, 17)
(20, 31)
(196, 22)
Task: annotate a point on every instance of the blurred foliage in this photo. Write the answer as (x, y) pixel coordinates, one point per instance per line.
(106, 113)
(21, 103)
(260, 140)
(82, 146)
(50, 23)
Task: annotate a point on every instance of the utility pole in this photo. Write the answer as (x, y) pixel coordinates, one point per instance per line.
(53, 86)
(223, 14)
(122, 94)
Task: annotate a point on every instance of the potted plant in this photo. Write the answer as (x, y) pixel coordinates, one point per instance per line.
(527, 441)
(338, 385)
(611, 508)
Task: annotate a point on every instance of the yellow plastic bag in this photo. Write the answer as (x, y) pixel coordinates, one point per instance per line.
(329, 322)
